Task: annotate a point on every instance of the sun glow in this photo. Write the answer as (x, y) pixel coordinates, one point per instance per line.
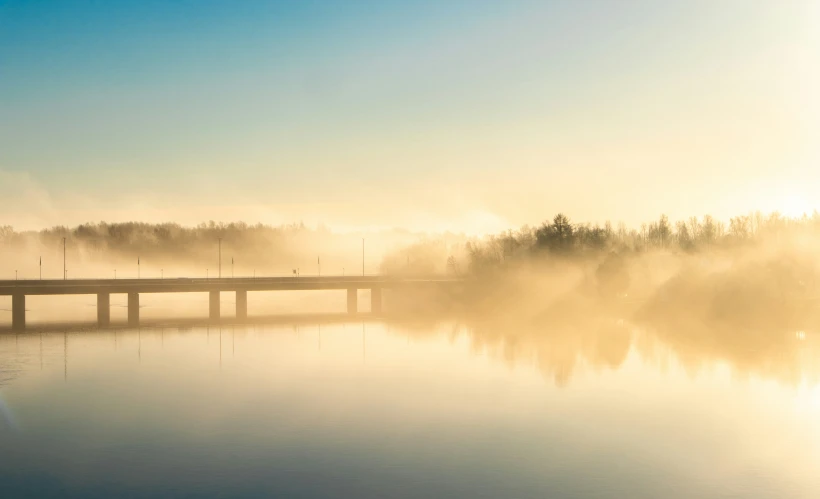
(793, 206)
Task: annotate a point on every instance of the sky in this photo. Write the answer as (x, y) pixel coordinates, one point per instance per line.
(465, 115)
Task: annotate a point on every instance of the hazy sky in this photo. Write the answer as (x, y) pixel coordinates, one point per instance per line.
(465, 114)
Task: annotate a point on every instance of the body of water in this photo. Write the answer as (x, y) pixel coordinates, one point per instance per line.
(386, 410)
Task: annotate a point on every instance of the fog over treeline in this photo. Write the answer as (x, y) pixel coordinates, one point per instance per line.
(96, 249)
(278, 250)
(562, 294)
(561, 238)
(755, 269)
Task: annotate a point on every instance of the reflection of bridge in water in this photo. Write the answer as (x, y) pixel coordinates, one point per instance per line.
(103, 288)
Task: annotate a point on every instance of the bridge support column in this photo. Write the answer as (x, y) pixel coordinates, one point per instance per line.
(376, 300)
(133, 309)
(214, 305)
(241, 304)
(352, 300)
(18, 312)
(103, 309)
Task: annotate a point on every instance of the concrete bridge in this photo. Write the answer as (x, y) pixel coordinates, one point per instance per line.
(103, 288)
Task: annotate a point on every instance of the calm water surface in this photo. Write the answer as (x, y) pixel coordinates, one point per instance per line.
(380, 410)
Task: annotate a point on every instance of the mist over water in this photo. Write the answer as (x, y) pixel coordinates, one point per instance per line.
(387, 409)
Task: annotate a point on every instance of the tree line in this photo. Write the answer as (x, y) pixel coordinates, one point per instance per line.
(560, 237)
(455, 253)
(255, 246)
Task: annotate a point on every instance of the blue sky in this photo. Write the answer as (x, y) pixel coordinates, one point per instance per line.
(425, 114)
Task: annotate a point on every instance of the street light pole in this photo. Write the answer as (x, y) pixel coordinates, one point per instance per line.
(64, 274)
(362, 256)
(220, 257)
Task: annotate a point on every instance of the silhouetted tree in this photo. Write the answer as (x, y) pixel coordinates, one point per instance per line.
(557, 236)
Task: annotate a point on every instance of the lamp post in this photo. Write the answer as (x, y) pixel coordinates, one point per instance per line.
(220, 257)
(64, 271)
(362, 257)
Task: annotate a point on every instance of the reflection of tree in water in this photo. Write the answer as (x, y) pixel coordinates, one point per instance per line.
(757, 317)
(557, 342)
(576, 332)
(556, 349)
(786, 356)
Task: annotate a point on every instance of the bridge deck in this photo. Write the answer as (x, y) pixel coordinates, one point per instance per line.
(186, 285)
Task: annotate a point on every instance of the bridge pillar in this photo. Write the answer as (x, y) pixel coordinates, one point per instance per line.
(103, 309)
(376, 300)
(241, 304)
(352, 300)
(214, 305)
(133, 309)
(18, 312)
